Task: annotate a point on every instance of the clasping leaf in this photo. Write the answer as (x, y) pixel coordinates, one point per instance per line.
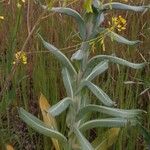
(121, 6)
(61, 106)
(60, 56)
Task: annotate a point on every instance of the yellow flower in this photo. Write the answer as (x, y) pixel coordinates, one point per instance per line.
(19, 5)
(21, 56)
(118, 23)
(2, 17)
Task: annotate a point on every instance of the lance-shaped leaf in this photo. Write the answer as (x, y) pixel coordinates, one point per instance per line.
(121, 6)
(133, 113)
(67, 82)
(40, 127)
(99, 19)
(109, 122)
(98, 69)
(113, 59)
(120, 39)
(85, 144)
(81, 53)
(99, 93)
(59, 55)
(72, 13)
(99, 30)
(78, 55)
(97, 4)
(44, 106)
(61, 106)
(47, 118)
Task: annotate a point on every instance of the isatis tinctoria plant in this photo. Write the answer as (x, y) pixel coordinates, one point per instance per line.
(78, 82)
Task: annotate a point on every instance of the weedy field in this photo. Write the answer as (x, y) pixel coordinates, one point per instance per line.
(30, 76)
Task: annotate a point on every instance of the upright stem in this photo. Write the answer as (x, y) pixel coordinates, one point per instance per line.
(78, 100)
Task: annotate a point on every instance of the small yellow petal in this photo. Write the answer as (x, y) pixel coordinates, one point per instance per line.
(24, 62)
(119, 26)
(123, 28)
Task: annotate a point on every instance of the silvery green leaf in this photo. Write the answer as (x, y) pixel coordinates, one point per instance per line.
(99, 30)
(101, 19)
(121, 6)
(61, 106)
(97, 70)
(97, 21)
(74, 14)
(120, 39)
(113, 59)
(123, 113)
(99, 93)
(67, 82)
(85, 144)
(96, 4)
(60, 56)
(78, 55)
(109, 122)
(40, 127)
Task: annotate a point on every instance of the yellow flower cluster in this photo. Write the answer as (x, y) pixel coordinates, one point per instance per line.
(118, 23)
(21, 56)
(19, 5)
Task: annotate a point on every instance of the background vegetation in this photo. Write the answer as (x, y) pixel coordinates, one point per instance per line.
(41, 74)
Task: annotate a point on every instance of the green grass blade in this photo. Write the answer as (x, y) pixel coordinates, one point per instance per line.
(146, 134)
